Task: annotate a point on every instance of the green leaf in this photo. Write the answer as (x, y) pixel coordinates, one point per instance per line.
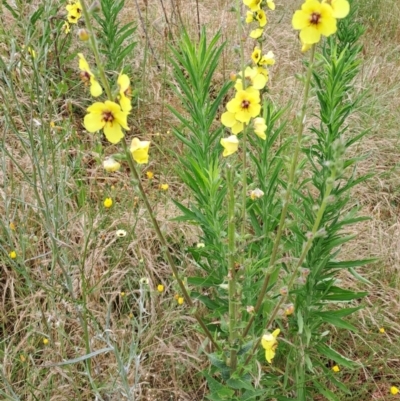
(330, 396)
(239, 383)
(331, 354)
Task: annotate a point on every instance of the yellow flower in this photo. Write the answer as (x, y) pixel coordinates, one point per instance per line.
(271, 4)
(269, 343)
(336, 368)
(124, 92)
(340, 8)
(12, 226)
(261, 18)
(160, 288)
(200, 245)
(87, 76)
(254, 5)
(228, 119)
(12, 255)
(256, 55)
(313, 20)
(150, 175)
(74, 12)
(230, 145)
(267, 59)
(260, 127)
(45, 341)
(181, 300)
(258, 77)
(22, 358)
(249, 16)
(111, 165)
(109, 117)
(245, 105)
(394, 390)
(67, 27)
(140, 150)
(381, 330)
(164, 187)
(107, 202)
(122, 294)
(256, 33)
(256, 194)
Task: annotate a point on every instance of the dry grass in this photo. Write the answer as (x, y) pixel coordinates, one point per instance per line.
(169, 346)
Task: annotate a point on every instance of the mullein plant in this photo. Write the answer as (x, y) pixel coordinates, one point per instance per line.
(269, 251)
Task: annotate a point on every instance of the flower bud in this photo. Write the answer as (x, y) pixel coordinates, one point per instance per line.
(83, 34)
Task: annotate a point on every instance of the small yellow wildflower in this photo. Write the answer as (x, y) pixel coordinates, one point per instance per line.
(261, 18)
(124, 92)
(140, 150)
(336, 368)
(256, 33)
(394, 390)
(108, 202)
(181, 300)
(258, 77)
(256, 194)
(150, 175)
(313, 20)
(74, 12)
(22, 358)
(256, 55)
(230, 145)
(245, 105)
(381, 330)
(12, 226)
(270, 343)
(45, 341)
(122, 294)
(164, 187)
(160, 288)
(111, 165)
(87, 76)
(109, 117)
(13, 255)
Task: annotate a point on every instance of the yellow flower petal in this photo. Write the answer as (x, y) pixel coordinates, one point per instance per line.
(113, 132)
(95, 88)
(256, 33)
(140, 150)
(230, 145)
(93, 122)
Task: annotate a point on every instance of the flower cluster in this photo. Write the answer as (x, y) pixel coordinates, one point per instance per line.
(245, 105)
(316, 19)
(111, 116)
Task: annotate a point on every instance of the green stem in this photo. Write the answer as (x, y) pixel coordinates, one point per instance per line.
(233, 307)
(289, 189)
(95, 50)
(164, 245)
